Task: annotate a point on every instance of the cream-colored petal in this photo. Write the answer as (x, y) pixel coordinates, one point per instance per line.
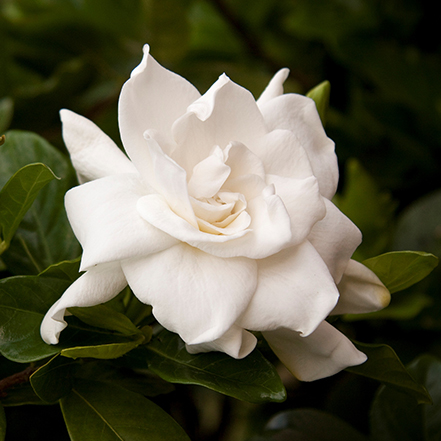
(294, 290)
(275, 87)
(323, 353)
(195, 294)
(98, 285)
(361, 291)
(93, 154)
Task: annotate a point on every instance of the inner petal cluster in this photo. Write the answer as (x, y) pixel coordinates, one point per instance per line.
(217, 212)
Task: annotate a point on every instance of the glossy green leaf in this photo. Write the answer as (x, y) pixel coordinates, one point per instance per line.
(400, 269)
(21, 395)
(384, 365)
(44, 236)
(397, 417)
(17, 196)
(2, 423)
(106, 351)
(103, 317)
(320, 94)
(54, 380)
(96, 410)
(6, 111)
(252, 379)
(308, 425)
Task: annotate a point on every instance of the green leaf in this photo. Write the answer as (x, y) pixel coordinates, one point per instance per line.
(54, 380)
(2, 423)
(252, 379)
(6, 111)
(103, 317)
(396, 416)
(320, 94)
(44, 236)
(96, 410)
(18, 195)
(308, 424)
(384, 365)
(106, 351)
(400, 269)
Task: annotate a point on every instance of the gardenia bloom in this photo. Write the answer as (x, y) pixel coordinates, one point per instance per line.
(220, 218)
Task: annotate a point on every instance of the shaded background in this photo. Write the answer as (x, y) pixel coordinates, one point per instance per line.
(382, 58)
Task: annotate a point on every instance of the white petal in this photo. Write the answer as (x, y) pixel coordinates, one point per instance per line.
(361, 291)
(275, 87)
(323, 353)
(153, 98)
(208, 176)
(105, 220)
(225, 113)
(236, 342)
(268, 233)
(299, 114)
(303, 201)
(336, 238)
(93, 154)
(98, 285)
(282, 154)
(194, 294)
(294, 290)
(243, 161)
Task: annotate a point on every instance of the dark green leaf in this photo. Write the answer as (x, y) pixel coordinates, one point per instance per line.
(320, 94)
(53, 380)
(106, 351)
(384, 365)
(103, 317)
(6, 111)
(308, 425)
(44, 236)
(96, 410)
(18, 195)
(396, 416)
(21, 395)
(252, 379)
(400, 269)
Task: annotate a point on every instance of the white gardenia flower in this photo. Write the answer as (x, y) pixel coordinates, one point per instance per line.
(220, 218)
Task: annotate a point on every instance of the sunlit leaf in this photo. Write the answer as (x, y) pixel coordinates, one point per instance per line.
(400, 269)
(17, 196)
(396, 416)
(54, 380)
(96, 410)
(106, 351)
(320, 94)
(252, 379)
(384, 365)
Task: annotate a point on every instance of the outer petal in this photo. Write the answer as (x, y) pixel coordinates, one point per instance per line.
(93, 154)
(303, 201)
(335, 238)
(294, 290)
(98, 285)
(194, 294)
(322, 354)
(153, 98)
(275, 87)
(104, 219)
(360, 291)
(225, 113)
(299, 114)
(236, 342)
(268, 233)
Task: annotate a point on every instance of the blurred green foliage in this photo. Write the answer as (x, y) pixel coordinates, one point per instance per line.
(382, 59)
